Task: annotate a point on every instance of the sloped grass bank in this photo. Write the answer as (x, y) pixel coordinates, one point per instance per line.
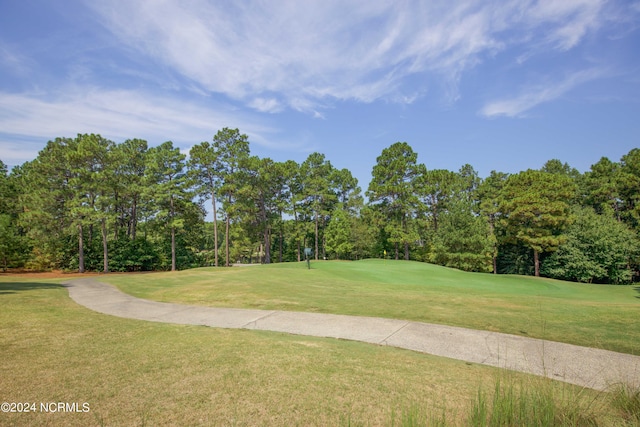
(589, 315)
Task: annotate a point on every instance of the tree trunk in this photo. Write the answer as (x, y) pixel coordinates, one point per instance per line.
(105, 253)
(80, 250)
(134, 216)
(173, 237)
(295, 220)
(116, 223)
(267, 246)
(536, 263)
(173, 248)
(266, 235)
(397, 251)
(406, 244)
(316, 235)
(226, 241)
(324, 237)
(215, 229)
(494, 256)
(281, 238)
(324, 243)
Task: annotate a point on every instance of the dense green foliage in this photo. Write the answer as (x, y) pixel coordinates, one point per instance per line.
(89, 203)
(535, 210)
(597, 248)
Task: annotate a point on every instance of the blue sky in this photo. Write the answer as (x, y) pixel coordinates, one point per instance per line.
(503, 85)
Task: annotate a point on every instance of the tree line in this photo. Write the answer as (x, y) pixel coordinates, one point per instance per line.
(87, 203)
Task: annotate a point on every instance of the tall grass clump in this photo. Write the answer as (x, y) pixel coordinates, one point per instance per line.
(535, 403)
(626, 400)
(417, 416)
(513, 401)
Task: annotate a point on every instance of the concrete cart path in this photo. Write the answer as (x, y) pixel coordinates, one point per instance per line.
(588, 367)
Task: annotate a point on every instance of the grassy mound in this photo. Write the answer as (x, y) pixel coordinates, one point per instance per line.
(589, 315)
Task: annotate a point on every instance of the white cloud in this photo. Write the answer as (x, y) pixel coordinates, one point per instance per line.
(538, 94)
(266, 105)
(287, 54)
(115, 114)
(306, 52)
(570, 19)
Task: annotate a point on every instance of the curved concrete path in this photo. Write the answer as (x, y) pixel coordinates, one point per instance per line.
(588, 367)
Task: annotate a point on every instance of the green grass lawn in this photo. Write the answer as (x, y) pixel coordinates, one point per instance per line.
(143, 373)
(137, 373)
(590, 315)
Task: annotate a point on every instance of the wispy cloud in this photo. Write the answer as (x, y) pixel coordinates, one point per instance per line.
(569, 20)
(535, 95)
(266, 105)
(154, 69)
(308, 52)
(13, 60)
(119, 115)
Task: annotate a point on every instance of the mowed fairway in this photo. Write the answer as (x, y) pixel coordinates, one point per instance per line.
(589, 315)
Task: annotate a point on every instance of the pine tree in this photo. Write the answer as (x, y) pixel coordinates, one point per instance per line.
(392, 191)
(338, 234)
(536, 210)
(205, 170)
(167, 185)
(232, 149)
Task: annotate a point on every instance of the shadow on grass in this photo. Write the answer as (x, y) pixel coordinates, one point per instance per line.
(637, 289)
(14, 287)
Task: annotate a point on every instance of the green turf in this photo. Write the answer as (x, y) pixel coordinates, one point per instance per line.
(143, 373)
(590, 315)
